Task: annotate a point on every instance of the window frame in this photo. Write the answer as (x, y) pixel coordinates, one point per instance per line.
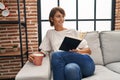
(77, 19)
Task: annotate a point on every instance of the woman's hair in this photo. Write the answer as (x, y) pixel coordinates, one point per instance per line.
(52, 13)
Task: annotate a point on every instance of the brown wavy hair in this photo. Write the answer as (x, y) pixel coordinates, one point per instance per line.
(53, 11)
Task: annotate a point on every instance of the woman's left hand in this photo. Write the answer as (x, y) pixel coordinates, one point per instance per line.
(82, 51)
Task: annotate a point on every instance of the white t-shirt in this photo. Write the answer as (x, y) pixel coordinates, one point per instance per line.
(53, 39)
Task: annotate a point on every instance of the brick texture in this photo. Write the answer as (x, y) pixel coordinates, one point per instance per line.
(117, 15)
(9, 36)
(9, 67)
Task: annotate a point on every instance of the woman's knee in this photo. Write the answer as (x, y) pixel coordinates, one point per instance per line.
(71, 67)
(72, 71)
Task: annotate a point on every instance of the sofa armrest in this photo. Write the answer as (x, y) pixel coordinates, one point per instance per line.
(32, 72)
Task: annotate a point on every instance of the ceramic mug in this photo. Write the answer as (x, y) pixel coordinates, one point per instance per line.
(37, 59)
(5, 13)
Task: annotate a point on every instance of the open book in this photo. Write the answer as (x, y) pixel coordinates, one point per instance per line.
(69, 44)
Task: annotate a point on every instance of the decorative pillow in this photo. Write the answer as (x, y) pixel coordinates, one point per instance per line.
(94, 44)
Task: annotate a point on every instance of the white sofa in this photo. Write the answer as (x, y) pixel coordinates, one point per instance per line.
(105, 48)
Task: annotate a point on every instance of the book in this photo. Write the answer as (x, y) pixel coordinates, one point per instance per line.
(69, 44)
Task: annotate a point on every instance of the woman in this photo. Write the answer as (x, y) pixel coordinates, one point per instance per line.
(66, 65)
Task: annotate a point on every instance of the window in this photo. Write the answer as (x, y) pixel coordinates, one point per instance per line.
(82, 15)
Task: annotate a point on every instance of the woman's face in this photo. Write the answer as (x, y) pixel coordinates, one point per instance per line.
(58, 19)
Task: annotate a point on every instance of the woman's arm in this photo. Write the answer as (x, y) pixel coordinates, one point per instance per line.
(82, 50)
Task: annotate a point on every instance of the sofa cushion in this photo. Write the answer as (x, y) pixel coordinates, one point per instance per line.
(114, 67)
(94, 44)
(110, 45)
(103, 73)
(32, 72)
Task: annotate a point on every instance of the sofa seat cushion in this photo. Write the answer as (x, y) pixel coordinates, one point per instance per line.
(114, 67)
(32, 72)
(103, 73)
(94, 44)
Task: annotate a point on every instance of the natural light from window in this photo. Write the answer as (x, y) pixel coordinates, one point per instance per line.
(91, 15)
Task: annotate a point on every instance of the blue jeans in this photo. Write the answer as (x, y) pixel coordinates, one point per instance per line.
(71, 66)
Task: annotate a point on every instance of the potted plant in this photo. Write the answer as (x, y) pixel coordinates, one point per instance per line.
(2, 50)
(15, 48)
